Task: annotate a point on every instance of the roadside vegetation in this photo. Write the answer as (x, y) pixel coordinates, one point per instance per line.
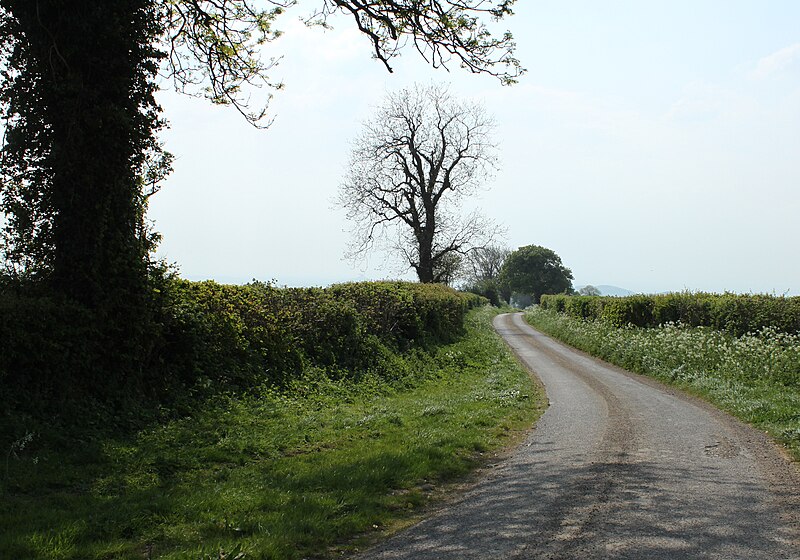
(736, 314)
(312, 464)
(754, 376)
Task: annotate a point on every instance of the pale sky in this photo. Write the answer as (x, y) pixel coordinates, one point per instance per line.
(652, 145)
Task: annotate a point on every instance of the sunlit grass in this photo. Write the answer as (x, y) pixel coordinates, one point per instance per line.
(274, 475)
(756, 377)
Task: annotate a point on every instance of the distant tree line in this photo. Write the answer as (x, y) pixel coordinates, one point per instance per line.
(525, 274)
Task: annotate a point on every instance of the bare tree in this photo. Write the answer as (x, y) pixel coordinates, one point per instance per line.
(481, 273)
(484, 263)
(415, 161)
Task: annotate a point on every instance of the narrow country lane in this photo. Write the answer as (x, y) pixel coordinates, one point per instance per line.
(618, 467)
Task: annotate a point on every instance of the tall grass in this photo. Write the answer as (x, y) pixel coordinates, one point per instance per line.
(756, 376)
(313, 470)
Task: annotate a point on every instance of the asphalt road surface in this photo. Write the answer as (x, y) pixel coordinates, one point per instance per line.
(618, 467)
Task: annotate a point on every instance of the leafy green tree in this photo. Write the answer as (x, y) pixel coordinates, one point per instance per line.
(77, 80)
(81, 124)
(533, 270)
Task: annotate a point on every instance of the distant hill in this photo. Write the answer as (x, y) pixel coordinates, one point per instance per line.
(607, 290)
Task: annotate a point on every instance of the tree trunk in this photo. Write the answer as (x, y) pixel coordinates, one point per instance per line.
(425, 271)
(424, 236)
(92, 62)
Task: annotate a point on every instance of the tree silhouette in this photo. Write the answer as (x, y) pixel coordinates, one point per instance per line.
(415, 161)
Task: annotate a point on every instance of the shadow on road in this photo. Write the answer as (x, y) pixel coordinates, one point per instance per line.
(529, 508)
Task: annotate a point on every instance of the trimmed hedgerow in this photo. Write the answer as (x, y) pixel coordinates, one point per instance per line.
(205, 337)
(318, 464)
(732, 313)
(244, 335)
(406, 313)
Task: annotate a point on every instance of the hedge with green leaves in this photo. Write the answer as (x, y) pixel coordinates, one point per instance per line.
(732, 313)
(406, 313)
(205, 337)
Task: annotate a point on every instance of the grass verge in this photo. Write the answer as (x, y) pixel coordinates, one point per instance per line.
(755, 377)
(267, 475)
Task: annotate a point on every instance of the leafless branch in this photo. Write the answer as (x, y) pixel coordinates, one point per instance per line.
(420, 156)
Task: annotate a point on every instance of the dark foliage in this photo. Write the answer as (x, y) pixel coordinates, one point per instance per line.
(533, 270)
(488, 288)
(81, 120)
(57, 363)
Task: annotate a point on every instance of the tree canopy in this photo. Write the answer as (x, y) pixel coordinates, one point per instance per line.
(214, 49)
(534, 270)
(415, 161)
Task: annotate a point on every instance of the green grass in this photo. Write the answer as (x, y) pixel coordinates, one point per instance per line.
(324, 467)
(755, 377)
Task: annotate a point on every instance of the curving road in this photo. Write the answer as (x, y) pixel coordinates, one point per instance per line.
(618, 467)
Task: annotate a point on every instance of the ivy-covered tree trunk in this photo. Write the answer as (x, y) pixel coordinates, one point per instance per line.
(81, 120)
